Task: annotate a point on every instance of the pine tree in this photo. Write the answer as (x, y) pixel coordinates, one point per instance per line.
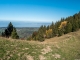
(75, 25)
(6, 33)
(34, 35)
(48, 27)
(14, 34)
(40, 37)
(68, 28)
(10, 28)
(60, 32)
(79, 23)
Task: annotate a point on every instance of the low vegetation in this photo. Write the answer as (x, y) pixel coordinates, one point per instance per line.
(66, 47)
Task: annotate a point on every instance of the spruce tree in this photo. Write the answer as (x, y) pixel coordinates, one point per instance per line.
(79, 23)
(6, 33)
(68, 28)
(14, 34)
(10, 28)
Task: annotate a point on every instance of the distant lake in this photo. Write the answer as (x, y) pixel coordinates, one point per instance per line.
(23, 24)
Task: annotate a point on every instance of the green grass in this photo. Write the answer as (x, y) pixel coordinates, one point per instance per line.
(68, 49)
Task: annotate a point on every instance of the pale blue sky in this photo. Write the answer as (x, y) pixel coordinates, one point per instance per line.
(37, 10)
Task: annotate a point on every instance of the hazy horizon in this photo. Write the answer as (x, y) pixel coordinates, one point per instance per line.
(23, 24)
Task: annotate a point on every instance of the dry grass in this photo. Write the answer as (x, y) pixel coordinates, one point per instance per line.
(58, 48)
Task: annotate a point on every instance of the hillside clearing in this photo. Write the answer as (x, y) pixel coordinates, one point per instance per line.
(66, 47)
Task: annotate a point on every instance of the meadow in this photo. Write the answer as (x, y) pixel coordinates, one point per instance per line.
(66, 47)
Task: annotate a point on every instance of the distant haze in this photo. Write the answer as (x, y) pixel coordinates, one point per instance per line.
(23, 24)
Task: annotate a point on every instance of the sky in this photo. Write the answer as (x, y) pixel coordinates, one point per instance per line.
(37, 10)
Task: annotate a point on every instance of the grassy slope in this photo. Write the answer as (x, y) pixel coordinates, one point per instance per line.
(66, 47)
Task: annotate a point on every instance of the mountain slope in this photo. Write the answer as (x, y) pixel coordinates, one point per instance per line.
(63, 26)
(66, 47)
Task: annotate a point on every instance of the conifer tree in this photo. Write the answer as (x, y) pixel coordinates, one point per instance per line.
(10, 28)
(68, 28)
(6, 33)
(14, 34)
(40, 37)
(79, 23)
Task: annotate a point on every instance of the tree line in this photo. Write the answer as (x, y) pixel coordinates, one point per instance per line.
(10, 31)
(61, 27)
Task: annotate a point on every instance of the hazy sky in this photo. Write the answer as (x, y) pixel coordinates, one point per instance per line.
(37, 10)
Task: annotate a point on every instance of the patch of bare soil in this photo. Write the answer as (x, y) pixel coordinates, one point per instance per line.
(29, 57)
(41, 57)
(46, 50)
(56, 56)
